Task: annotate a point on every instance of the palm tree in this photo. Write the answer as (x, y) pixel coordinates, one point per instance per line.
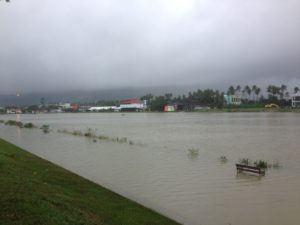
(231, 90)
(247, 90)
(257, 92)
(296, 89)
(273, 91)
(254, 87)
(238, 89)
(282, 90)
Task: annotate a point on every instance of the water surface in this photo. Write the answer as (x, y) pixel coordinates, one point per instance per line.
(159, 171)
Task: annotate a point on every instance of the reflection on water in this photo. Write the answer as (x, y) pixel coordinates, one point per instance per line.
(176, 168)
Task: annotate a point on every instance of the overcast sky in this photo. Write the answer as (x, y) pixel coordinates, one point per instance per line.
(92, 44)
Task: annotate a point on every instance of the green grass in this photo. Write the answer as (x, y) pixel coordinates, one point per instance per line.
(35, 191)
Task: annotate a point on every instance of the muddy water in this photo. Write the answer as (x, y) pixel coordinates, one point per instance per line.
(158, 170)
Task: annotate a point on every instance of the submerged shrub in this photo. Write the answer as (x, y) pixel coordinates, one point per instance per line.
(261, 164)
(193, 153)
(77, 133)
(223, 159)
(90, 133)
(14, 123)
(245, 161)
(29, 125)
(45, 128)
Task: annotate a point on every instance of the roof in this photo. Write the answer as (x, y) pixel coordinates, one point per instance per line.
(132, 101)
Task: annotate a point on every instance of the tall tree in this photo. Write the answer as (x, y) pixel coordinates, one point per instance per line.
(282, 91)
(296, 89)
(238, 89)
(231, 90)
(257, 92)
(254, 87)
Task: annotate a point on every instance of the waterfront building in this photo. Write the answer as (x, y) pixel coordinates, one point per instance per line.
(296, 100)
(232, 99)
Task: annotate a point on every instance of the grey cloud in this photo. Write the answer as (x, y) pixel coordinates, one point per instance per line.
(92, 45)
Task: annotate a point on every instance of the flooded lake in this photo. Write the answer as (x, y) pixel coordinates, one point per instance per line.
(171, 161)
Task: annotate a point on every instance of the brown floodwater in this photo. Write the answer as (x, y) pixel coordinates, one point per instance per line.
(172, 163)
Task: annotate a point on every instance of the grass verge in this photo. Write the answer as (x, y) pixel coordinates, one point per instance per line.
(35, 191)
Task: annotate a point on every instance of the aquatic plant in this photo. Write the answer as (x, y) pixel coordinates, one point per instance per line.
(45, 128)
(77, 133)
(223, 159)
(29, 125)
(261, 164)
(90, 133)
(193, 153)
(14, 123)
(103, 137)
(245, 161)
(131, 142)
(1, 121)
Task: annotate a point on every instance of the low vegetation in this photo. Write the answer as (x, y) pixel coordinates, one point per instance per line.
(223, 159)
(263, 164)
(29, 125)
(14, 123)
(90, 133)
(193, 153)
(45, 128)
(35, 191)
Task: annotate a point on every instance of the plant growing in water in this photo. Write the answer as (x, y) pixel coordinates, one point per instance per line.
(14, 123)
(29, 125)
(245, 161)
(223, 159)
(90, 133)
(193, 153)
(45, 128)
(261, 164)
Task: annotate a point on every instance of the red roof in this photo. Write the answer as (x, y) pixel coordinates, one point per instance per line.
(132, 101)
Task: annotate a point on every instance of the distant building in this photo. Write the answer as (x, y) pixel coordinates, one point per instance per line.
(169, 108)
(296, 100)
(14, 111)
(232, 100)
(132, 105)
(102, 108)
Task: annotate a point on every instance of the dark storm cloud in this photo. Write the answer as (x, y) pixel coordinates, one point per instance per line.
(90, 45)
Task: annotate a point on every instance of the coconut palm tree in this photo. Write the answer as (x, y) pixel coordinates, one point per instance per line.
(254, 87)
(238, 89)
(282, 90)
(231, 90)
(257, 92)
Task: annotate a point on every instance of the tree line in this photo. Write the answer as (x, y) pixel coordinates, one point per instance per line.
(250, 95)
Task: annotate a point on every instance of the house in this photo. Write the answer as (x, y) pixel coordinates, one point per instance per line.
(14, 111)
(169, 108)
(102, 108)
(232, 100)
(133, 105)
(296, 100)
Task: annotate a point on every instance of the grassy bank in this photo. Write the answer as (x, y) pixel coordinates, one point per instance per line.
(35, 191)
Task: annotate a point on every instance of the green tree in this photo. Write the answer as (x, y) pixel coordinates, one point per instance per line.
(257, 92)
(158, 103)
(231, 90)
(282, 91)
(296, 89)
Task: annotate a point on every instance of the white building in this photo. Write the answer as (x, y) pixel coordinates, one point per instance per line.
(102, 108)
(296, 100)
